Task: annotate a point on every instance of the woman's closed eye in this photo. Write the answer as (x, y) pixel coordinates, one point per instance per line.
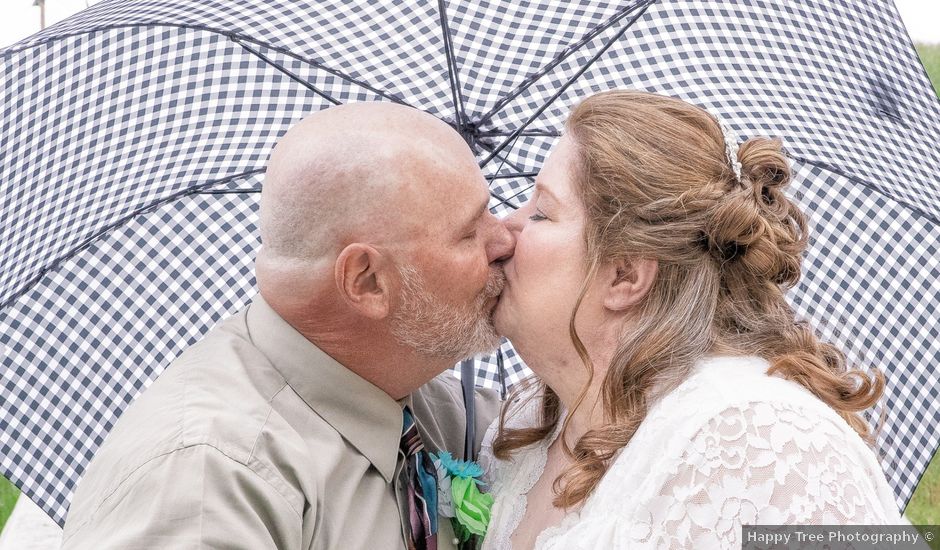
(538, 216)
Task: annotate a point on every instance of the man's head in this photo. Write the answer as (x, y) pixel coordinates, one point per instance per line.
(374, 223)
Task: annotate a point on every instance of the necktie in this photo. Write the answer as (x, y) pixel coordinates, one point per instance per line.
(420, 475)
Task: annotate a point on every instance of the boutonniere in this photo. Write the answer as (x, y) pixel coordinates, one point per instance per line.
(459, 497)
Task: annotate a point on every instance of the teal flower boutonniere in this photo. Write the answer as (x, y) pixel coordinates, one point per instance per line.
(459, 497)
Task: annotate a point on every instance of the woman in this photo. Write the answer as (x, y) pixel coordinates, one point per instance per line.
(677, 397)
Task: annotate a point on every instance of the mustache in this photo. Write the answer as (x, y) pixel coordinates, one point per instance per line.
(495, 283)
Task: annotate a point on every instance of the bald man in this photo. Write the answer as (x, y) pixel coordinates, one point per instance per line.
(379, 269)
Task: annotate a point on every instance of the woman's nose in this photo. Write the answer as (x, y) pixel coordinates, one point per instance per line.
(514, 221)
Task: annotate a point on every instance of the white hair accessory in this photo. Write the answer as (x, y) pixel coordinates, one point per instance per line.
(731, 148)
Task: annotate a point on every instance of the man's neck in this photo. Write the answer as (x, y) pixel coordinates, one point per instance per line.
(385, 364)
(364, 347)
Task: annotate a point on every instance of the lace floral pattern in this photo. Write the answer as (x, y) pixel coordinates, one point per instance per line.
(731, 446)
(511, 481)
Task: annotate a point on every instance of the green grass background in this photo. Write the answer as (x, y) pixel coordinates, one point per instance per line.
(930, 55)
(924, 508)
(8, 494)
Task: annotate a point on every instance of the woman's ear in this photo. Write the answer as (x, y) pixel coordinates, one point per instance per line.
(362, 279)
(628, 282)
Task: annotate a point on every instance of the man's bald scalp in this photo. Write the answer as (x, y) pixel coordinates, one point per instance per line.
(345, 172)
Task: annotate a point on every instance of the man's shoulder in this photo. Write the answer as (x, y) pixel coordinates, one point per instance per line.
(186, 482)
(219, 388)
(207, 396)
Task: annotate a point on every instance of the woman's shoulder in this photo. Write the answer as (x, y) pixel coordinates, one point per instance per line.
(721, 383)
(731, 430)
(738, 392)
(729, 393)
(730, 406)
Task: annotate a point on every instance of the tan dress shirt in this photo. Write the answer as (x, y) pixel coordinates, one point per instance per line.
(254, 438)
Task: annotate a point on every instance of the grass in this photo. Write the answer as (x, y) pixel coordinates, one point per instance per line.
(8, 495)
(924, 508)
(930, 56)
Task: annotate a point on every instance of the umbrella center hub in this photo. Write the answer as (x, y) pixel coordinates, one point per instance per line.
(470, 132)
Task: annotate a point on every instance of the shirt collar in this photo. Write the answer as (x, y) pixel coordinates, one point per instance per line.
(367, 417)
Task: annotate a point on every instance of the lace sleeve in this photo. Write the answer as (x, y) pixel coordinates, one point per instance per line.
(509, 481)
(760, 463)
(767, 463)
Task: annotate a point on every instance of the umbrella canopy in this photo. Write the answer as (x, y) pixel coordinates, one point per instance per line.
(135, 136)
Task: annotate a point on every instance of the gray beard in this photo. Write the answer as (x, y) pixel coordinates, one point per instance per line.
(438, 329)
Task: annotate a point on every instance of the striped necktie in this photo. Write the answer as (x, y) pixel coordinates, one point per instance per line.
(421, 477)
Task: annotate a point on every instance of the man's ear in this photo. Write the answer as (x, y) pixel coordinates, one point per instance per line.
(627, 282)
(361, 274)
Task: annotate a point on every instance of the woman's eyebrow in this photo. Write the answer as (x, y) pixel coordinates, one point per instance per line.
(541, 189)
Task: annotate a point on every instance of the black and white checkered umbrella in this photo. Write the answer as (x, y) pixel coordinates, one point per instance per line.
(134, 138)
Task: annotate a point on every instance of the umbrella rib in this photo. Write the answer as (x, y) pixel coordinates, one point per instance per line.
(500, 167)
(534, 77)
(242, 191)
(233, 36)
(521, 191)
(147, 208)
(391, 97)
(452, 74)
(510, 176)
(858, 181)
(531, 133)
(502, 200)
(504, 159)
(520, 173)
(566, 85)
(293, 76)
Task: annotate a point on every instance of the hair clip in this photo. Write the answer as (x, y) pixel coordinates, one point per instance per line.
(731, 148)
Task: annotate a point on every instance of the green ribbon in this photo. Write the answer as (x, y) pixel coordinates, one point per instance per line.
(471, 506)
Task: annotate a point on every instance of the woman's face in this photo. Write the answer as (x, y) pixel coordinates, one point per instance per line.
(545, 273)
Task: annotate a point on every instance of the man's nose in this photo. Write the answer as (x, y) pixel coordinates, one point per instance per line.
(504, 242)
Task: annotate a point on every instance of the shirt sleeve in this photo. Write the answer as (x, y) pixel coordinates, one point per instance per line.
(194, 497)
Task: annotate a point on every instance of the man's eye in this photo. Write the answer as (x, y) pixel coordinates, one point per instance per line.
(538, 216)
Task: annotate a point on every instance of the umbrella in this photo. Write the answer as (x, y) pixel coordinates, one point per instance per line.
(135, 136)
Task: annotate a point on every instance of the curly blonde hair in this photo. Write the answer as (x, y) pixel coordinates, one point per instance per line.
(655, 180)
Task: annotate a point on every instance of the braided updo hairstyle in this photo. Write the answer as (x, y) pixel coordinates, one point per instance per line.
(656, 182)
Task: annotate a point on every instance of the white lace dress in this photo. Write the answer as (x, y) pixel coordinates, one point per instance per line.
(730, 446)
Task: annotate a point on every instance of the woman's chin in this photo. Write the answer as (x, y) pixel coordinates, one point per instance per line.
(502, 320)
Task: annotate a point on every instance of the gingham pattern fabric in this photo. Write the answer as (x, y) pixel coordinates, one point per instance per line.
(870, 284)
(134, 137)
